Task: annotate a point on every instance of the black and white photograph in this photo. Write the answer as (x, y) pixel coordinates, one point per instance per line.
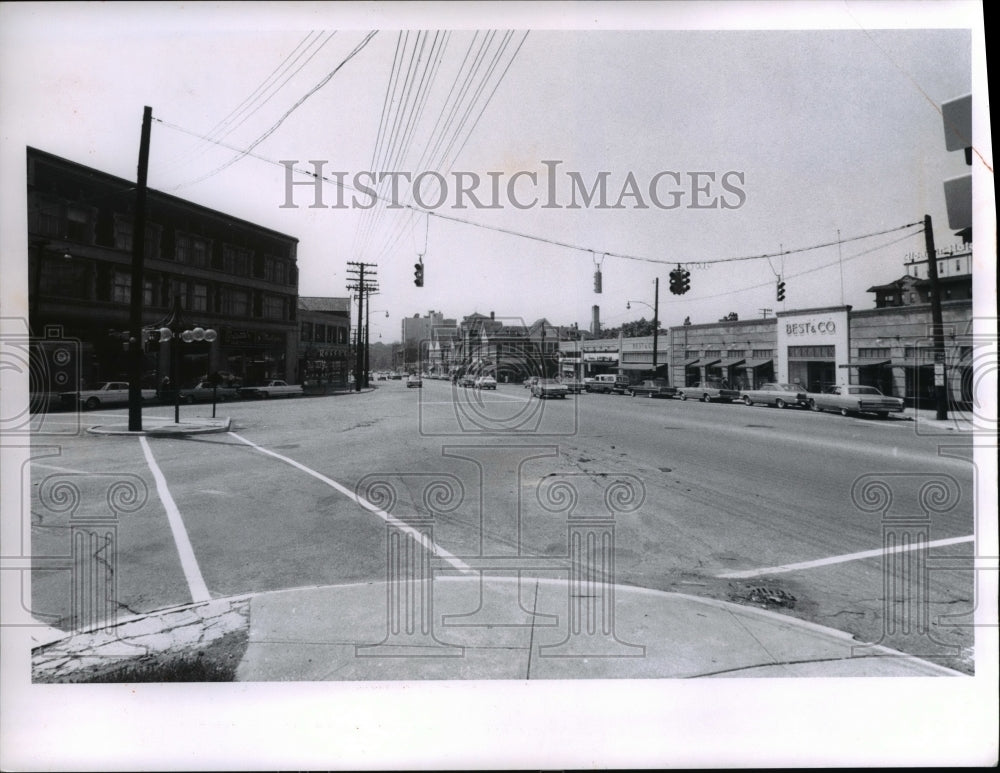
(497, 385)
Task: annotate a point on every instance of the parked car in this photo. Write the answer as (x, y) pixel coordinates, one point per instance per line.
(204, 392)
(778, 395)
(530, 382)
(708, 391)
(549, 387)
(108, 393)
(573, 385)
(467, 381)
(609, 383)
(856, 399)
(486, 382)
(413, 381)
(272, 388)
(657, 387)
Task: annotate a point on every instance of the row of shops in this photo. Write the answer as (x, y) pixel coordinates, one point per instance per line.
(889, 348)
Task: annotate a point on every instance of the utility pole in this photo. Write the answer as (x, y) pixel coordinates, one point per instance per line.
(937, 324)
(135, 344)
(364, 285)
(656, 321)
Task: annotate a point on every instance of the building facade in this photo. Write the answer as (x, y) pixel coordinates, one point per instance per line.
(230, 275)
(324, 342)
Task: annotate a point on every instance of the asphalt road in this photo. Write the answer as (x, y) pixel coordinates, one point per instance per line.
(750, 504)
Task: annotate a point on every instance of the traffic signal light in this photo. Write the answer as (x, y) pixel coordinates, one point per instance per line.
(675, 281)
(781, 289)
(597, 282)
(418, 274)
(685, 281)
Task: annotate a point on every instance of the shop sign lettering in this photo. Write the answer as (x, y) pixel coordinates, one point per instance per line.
(827, 327)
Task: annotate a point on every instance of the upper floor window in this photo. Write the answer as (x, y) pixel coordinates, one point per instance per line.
(274, 307)
(121, 288)
(236, 260)
(123, 237)
(193, 250)
(235, 303)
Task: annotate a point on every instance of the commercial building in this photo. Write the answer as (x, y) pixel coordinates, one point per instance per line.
(236, 277)
(324, 342)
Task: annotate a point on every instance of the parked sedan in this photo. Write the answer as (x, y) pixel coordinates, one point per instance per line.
(778, 395)
(708, 391)
(467, 381)
(856, 399)
(413, 382)
(549, 387)
(204, 392)
(486, 382)
(573, 385)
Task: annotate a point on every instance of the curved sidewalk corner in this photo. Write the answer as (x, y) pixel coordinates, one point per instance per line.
(154, 427)
(497, 628)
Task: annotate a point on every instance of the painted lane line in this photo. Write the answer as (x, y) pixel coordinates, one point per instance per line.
(432, 547)
(196, 583)
(841, 559)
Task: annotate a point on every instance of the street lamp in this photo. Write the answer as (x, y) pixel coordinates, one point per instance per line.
(656, 319)
(175, 326)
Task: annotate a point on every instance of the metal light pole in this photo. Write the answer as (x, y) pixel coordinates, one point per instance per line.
(656, 320)
(176, 330)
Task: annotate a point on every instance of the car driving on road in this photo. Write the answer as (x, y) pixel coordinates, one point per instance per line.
(413, 381)
(856, 399)
(778, 395)
(486, 382)
(549, 387)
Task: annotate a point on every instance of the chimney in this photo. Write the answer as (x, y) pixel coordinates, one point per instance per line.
(595, 324)
(493, 316)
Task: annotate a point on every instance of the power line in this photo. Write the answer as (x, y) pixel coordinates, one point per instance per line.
(292, 109)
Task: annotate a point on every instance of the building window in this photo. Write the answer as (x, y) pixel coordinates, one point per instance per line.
(236, 260)
(121, 288)
(762, 354)
(193, 250)
(919, 353)
(691, 354)
(64, 279)
(736, 354)
(80, 224)
(199, 297)
(874, 352)
(713, 353)
(274, 307)
(307, 331)
(890, 298)
(147, 292)
(812, 352)
(123, 237)
(235, 303)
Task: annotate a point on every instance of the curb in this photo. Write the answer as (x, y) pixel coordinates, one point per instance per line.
(165, 430)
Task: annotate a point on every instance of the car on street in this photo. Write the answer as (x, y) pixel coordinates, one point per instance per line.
(530, 382)
(573, 385)
(708, 392)
(413, 382)
(657, 387)
(609, 383)
(467, 381)
(549, 387)
(102, 395)
(856, 399)
(273, 388)
(204, 392)
(485, 382)
(778, 395)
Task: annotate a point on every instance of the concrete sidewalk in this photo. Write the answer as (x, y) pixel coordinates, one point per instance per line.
(490, 628)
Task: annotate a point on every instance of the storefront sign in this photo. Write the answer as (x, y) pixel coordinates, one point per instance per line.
(825, 327)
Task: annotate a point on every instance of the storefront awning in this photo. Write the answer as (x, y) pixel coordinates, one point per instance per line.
(710, 363)
(692, 363)
(731, 363)
(864, 363)
(757, 363)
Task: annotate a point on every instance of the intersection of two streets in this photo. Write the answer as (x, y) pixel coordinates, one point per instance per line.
(860, 524)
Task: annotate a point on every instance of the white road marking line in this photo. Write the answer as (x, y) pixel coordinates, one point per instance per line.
(196, 583)
(402, 526)
(841, 559)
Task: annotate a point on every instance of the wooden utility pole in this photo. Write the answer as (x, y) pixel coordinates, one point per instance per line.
(363, 285)
(937, 324)
(135, 344)
(656, 322)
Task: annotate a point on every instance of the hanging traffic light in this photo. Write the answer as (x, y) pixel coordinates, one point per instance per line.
(597, 281)
(675, 281)
(418, 274)
(781, 289)
(685, 281)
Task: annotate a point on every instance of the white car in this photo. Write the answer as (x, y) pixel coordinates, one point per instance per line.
(486, 382)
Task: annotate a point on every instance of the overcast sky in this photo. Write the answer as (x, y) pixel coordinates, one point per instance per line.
(817, 133)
